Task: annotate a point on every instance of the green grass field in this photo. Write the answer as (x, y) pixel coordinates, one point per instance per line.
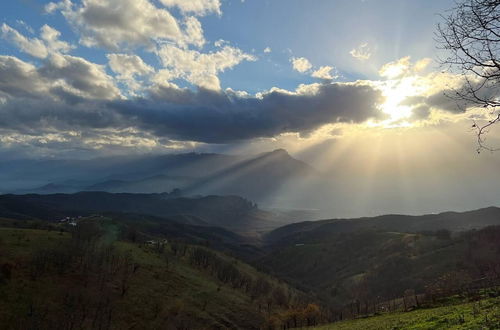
(159, 292)
(56, 280)
(483, 314)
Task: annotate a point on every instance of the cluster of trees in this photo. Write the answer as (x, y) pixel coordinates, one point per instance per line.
(100, 276)
(298, 317)
(283, 307)
(266, 293)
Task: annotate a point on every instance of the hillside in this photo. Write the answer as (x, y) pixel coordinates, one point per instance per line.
(365, 264)
(230, 212)
(318, 230)
(481, 314)
(87, 278)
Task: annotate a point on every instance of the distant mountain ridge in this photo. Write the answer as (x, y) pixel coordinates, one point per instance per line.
(453, 221)
(256, 177)
(230, 212)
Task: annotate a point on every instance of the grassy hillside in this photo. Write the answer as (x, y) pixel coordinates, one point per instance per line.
(88, 279)
(369, 265)
(323, 229)
(482, 314)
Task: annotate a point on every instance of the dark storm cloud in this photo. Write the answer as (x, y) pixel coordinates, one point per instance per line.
(216, 117)
(75, 95)
(454, 101)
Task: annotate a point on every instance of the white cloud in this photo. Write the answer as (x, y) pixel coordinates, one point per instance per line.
(193, 32)
(422, 64)
(324, 72)
(128, 68)
(51, 38)
(301, 64)
(220, 43)
(396, 69)
(362, 52)
(267, 50)
(40, 48)
(32, 46)
(77, 76)
(116, 23)
(196, 7)
(62, 77)
(198, 68)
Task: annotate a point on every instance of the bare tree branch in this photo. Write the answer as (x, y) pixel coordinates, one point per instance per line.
(470, 35)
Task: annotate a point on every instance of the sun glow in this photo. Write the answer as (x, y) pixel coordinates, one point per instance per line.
(395, 93)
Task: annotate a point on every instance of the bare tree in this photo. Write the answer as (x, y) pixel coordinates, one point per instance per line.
(470, 35)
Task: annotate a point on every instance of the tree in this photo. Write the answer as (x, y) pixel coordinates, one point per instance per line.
(470, 35)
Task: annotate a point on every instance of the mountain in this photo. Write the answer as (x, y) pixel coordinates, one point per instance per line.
(256, 178)
(23, 175)
(263, 178)
(231, 212)
(453, 221)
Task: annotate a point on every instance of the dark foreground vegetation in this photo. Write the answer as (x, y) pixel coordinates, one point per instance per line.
(85, 277)
(74, 262)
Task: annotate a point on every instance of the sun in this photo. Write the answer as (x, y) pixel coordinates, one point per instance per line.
(395, 93)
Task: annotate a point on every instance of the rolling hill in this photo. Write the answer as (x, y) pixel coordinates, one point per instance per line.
(300, 232)
(231, 212)
(346, 259)
(86, 277)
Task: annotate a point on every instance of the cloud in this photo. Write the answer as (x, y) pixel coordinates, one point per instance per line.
(198, 68)
(396, 69)
(194, 32)
(51, 38)
(324, 72)
(72, 94)
(127, 24)
(421, 65)
(404, 67)
(32, 46)
(77, 76)
(19, 79)
(223, 117)
(362, 52)
(113, 24)
(267, 50)
(128, 66)
(301, 64)
(62, 77)
(197, 7)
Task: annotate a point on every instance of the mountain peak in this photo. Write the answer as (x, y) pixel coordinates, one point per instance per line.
(279, 151)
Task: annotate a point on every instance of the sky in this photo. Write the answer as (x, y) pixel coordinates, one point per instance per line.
(353, 87)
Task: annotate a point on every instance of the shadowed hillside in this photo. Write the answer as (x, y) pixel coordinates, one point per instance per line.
(88, 277)
(368, 264)
(454, 221)
(230, 212)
